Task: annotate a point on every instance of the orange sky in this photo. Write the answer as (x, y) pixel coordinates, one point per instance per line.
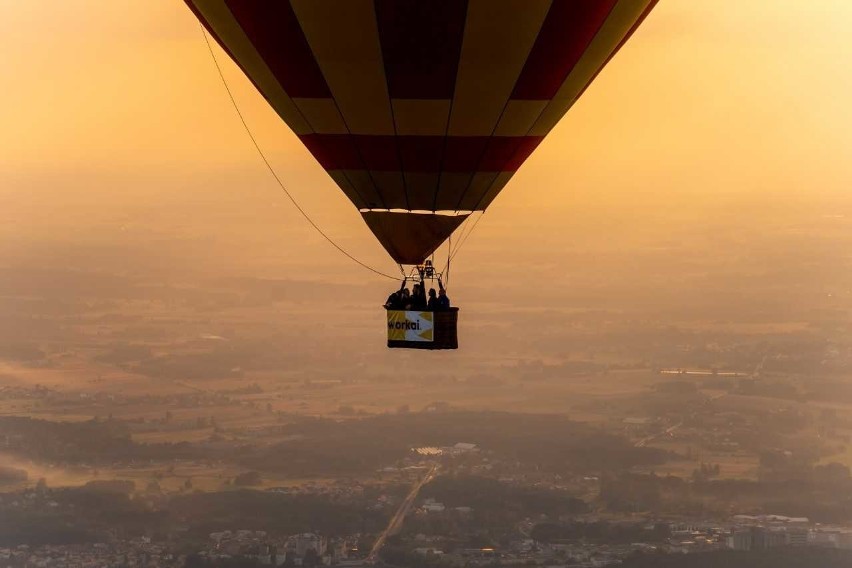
(740, 97)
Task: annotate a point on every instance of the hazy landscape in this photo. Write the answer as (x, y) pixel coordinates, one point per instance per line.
(655, 325)
(700, 373)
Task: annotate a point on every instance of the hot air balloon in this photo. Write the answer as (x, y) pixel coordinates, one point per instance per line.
(420, 110)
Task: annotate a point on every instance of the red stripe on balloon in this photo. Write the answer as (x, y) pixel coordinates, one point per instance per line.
(568, 29)
(333, 151)
(420, 153)
(463, 153)
(506, 154)
(379, 153)
(421, 45)
(274, 30)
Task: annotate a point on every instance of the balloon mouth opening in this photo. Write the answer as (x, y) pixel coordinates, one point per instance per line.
(443, 213)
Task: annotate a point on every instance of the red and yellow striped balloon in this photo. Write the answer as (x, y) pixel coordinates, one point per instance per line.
(421, 110)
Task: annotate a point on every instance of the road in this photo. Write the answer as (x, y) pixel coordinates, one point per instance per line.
(396, 521)
(644, 441)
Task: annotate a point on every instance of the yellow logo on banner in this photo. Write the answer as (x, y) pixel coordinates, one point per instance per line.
(410, 326)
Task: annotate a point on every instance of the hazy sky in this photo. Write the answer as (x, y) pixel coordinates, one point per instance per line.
(105, 102)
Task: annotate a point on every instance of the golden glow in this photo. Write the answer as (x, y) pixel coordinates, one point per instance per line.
(708, 97)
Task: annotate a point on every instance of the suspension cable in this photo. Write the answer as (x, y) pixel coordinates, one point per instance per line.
(464, 235)
(462, 239)
(447, 269)
(460, 230)
(275, 175)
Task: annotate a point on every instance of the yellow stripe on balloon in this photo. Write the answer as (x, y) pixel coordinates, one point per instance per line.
(519, 116)
(498, 37)
(421, 117)
(322, 114)
(622, 18)
(344, 38)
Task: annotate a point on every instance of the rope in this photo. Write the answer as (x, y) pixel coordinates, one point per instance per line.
(272, 171)
(463, 240)
(447, 269)
(451, 254)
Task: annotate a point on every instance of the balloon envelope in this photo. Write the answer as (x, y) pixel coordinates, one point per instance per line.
(421, 110)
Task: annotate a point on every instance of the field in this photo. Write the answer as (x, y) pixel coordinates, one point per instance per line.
(179, 347)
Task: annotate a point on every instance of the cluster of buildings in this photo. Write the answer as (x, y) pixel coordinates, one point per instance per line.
(454, 450)
(432, 506)
(529, 552)
(135, 553)
(770, 531)
(306, 549)
(742, 532)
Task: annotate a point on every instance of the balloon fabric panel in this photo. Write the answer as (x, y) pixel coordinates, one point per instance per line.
(421, 106)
